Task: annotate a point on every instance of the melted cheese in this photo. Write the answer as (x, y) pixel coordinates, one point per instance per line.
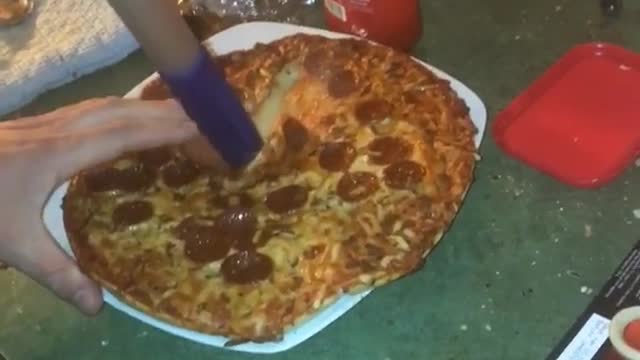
(350, 233)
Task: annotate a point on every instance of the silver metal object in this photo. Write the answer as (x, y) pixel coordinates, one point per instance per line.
(611, 8)
(13, 12)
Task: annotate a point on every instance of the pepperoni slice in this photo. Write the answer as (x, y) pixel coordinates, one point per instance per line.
(295, 134)
(132, 213)
(180, 173)
(201, 241)
(354, 46)
(315, 63)
(372, 110)
(237, 227)
(135, 178)
(387, 149)
(342, 84)
(188, 229)
(155, 158)
(102, 180)
(287, 198)
(337, 156)
(403, 174)
(246, 267)
(357, 186)
(131, 179)
(413, 97)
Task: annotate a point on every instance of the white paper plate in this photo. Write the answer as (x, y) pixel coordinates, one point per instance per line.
(245, 36)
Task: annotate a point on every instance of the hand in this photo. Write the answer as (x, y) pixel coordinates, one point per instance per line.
(39, 153)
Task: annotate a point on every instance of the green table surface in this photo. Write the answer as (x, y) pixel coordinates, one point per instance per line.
(505, 283)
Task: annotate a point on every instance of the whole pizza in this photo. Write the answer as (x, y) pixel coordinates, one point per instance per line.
(367, 158)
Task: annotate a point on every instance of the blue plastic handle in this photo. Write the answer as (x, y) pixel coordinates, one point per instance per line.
(211, 103)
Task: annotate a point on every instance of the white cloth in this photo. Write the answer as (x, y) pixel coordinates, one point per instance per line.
(60, 41)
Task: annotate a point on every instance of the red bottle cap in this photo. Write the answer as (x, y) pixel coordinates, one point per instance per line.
(632, 334)
(580, 121)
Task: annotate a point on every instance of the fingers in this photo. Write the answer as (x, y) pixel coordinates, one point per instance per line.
(44, 262)
(88, 148)
(97, 111)
(58, 117)
(137, 111)
(200, 151)
(110, 132)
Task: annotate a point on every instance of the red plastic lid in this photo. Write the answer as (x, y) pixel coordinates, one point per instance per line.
(631, 334)
(580, 121)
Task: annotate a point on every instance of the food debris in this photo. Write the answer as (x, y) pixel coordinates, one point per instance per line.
(556, 240)
(464, 327)
(558, 8)
(498, 273)
(573, 274)
(587, 231)
(517, 37)
(483, 306)
(636, 213)
(533, 263)
(638, 162)
(586, 290)
(487, 327)
(142, 334)
(19, 309)
(104, 342)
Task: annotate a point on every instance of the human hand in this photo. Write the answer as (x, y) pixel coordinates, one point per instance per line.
(41, 152)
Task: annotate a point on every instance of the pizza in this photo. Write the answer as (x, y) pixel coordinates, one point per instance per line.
(366, 161)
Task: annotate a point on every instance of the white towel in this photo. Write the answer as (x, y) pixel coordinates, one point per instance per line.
(60, 41)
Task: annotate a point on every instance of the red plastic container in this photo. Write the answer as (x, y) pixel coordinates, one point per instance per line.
(395, 23)
(580, 121)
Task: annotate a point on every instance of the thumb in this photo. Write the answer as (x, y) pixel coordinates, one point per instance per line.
(46, 263)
